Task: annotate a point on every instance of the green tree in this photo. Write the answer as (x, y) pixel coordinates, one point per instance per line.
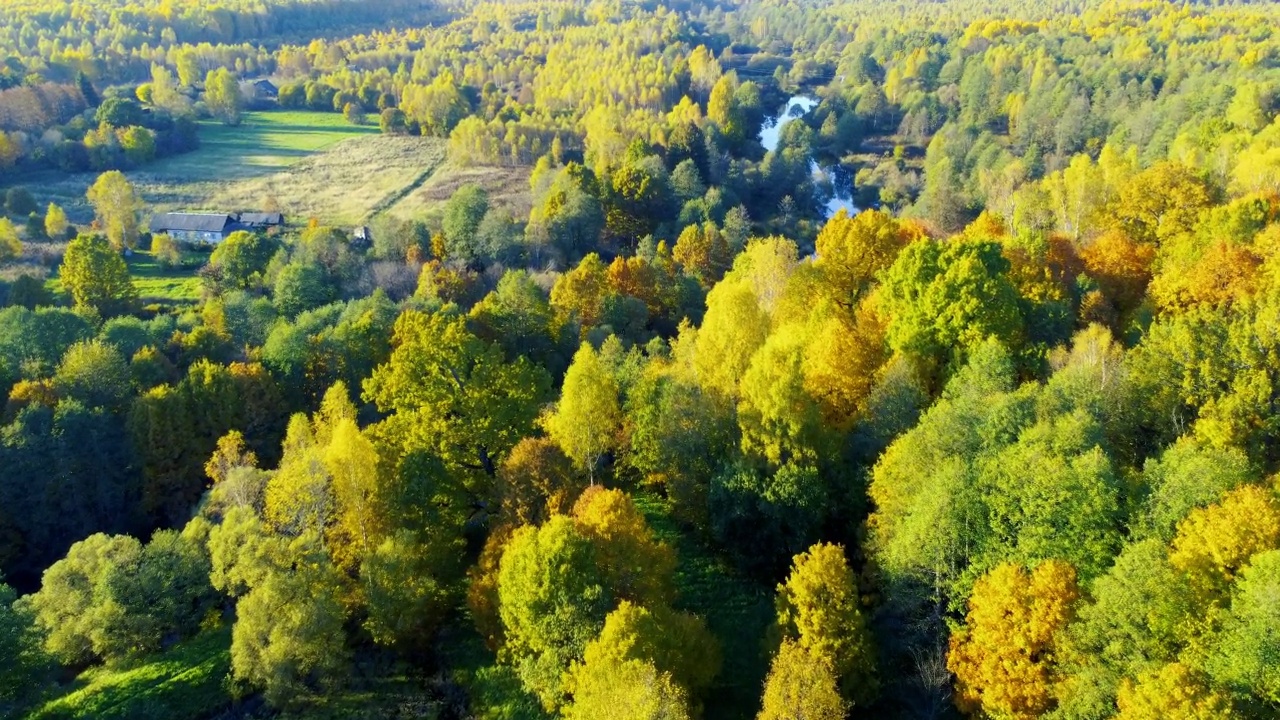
(94, 373)
(23, 673)
(456, 393)
(462, 216)
(117, 206)
(97, 277)
(553, 601)
(301, 286)
(588, 418)
(1243, 656)
(222, 96)
(286, 654)
(946, 298)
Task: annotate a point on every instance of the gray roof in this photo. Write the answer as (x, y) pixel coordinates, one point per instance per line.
(255, 219)
(190, 222)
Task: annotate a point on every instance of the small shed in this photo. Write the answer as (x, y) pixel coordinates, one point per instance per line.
(265, 88)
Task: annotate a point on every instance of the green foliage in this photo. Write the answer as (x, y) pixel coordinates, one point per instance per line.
(946, 299)
(97, 276)
(553, 600)
(456, 393)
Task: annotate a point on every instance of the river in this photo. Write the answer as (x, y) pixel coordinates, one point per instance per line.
(839, 179)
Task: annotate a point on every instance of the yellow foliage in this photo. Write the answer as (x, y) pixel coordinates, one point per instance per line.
(1174, 692)
(1213, 544)
(1004, 657)
(638, 565)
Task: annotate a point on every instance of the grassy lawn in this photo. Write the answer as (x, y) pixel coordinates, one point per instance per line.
(156, 284)
(308, 164)
(185, 681)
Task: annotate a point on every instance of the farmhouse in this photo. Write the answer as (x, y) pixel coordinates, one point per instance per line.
(212, 227)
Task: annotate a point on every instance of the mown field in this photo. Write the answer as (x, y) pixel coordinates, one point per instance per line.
(306, 164)
(508, 189)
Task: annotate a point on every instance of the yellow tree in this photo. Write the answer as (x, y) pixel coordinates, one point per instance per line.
(854, 250)
(588, 418)
(733, 328)
(1173, 692)
(117, 205)
(1213, 544)
(10, 245)
(56, 223)
(361, 515)
(1005, 656)
(636, 564)
(801, 686)
(818, 608)
(631, 689)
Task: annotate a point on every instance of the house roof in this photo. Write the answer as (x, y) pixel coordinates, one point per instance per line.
(261, 219)
(190, 222)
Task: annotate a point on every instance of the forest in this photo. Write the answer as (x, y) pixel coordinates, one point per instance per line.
(766, 359)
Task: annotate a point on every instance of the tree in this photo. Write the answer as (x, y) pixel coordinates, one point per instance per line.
(18, 201)
(855, 250)
(553, 600)
(631, 689)
(818, 609)
(72, 607)
(407, 589)
(462, 216)
(633, 562)
(97, 277)
(10, 245)
(1243, 655)
(361, 512)
(734, 327)
(94, 373)
(165, 251)
(25, 662)
(535, 481)
(675, 643)
(1214, 544)
(1139, 618)
(578, 295)
(588, 418)
(944, 299)
(285, 654)
(116, 204)
(222, 96)
(1005, 656)
(1173, 691)
(56, 223)
(456, 393)
(801, 686)
(301, 286)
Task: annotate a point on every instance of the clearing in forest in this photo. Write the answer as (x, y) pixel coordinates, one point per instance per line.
(306, 164)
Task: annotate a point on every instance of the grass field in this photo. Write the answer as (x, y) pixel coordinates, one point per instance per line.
(308, 164)
(184, 682)
(508, 188)
(156, 284)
